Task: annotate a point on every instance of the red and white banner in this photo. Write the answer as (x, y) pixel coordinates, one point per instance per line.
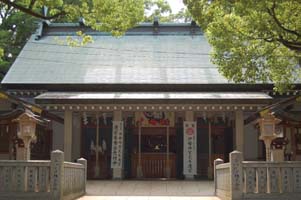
(190, 148)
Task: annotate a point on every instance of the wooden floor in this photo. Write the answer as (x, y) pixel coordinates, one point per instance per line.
(149, 190)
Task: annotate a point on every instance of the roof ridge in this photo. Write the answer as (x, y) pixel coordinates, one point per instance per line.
(143, 28)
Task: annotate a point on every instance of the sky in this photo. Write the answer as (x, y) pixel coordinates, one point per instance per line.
(176, 5)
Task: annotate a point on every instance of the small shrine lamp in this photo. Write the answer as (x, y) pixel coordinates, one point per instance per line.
(27, 128)
(267, 124)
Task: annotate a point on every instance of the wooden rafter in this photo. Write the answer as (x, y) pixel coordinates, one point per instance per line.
(30, 106)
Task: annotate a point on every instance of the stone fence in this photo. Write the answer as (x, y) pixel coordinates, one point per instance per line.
(36, 179)
(252, 180)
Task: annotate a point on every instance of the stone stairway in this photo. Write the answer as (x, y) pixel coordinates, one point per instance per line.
(150, 190)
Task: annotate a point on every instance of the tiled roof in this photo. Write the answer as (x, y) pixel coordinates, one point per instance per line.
(175, 57)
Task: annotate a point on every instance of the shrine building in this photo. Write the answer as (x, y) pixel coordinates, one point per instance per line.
(149, 104)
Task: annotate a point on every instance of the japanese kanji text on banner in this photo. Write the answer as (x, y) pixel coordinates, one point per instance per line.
(190, 148)
(117, 144)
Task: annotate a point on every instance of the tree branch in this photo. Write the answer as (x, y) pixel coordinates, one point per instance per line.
(295, 46)
(272, 13)
(30, 11)
(32, 2)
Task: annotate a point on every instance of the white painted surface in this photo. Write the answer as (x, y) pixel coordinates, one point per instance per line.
(189, 148)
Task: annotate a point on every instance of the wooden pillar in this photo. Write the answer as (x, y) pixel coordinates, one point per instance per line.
(97, 169)
(189, 116)
(168, 171)
(239, 131)
(210, 170)
(118, 172)
(68, 135)
(139, 166)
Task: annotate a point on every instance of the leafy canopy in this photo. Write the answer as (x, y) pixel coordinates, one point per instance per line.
(18, 20)
(115, 16)
(15, 28)
(253, 41)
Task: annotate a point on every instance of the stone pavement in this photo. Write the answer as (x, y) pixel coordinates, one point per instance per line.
(149, 190)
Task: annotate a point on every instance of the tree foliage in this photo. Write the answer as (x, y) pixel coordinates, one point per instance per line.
(18, 20)
(19, 17)
(157, 8)
(15, 29)
(115, 16)
(162, 10)
(253, 41)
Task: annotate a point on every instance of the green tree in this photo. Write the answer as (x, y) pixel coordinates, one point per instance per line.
(15, 29)
(157, 8)
(18, 17)
(162, 10)
(253, 41)
(115, 16)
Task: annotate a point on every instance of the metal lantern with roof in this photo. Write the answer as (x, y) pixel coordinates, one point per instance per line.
(267, 124)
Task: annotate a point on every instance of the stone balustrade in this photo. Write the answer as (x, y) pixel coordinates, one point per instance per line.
(54, 179)
(74, 179)
(222, 178)
(240, 179)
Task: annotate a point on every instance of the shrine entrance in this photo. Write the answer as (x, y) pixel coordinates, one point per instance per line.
(96, 142)
(154, 153)
(154, 145)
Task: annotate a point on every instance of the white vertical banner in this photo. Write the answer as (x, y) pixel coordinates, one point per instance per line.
(117, 145)
(190, 148)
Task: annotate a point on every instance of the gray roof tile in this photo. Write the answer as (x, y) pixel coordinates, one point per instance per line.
(137, 59)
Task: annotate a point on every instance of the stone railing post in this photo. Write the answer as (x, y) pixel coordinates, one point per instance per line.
(57, 174)
(216, 162)
(236, 175)
(84, 162)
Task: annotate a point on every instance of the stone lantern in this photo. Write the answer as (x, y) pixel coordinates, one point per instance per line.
(267, 124)
(26, 132)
